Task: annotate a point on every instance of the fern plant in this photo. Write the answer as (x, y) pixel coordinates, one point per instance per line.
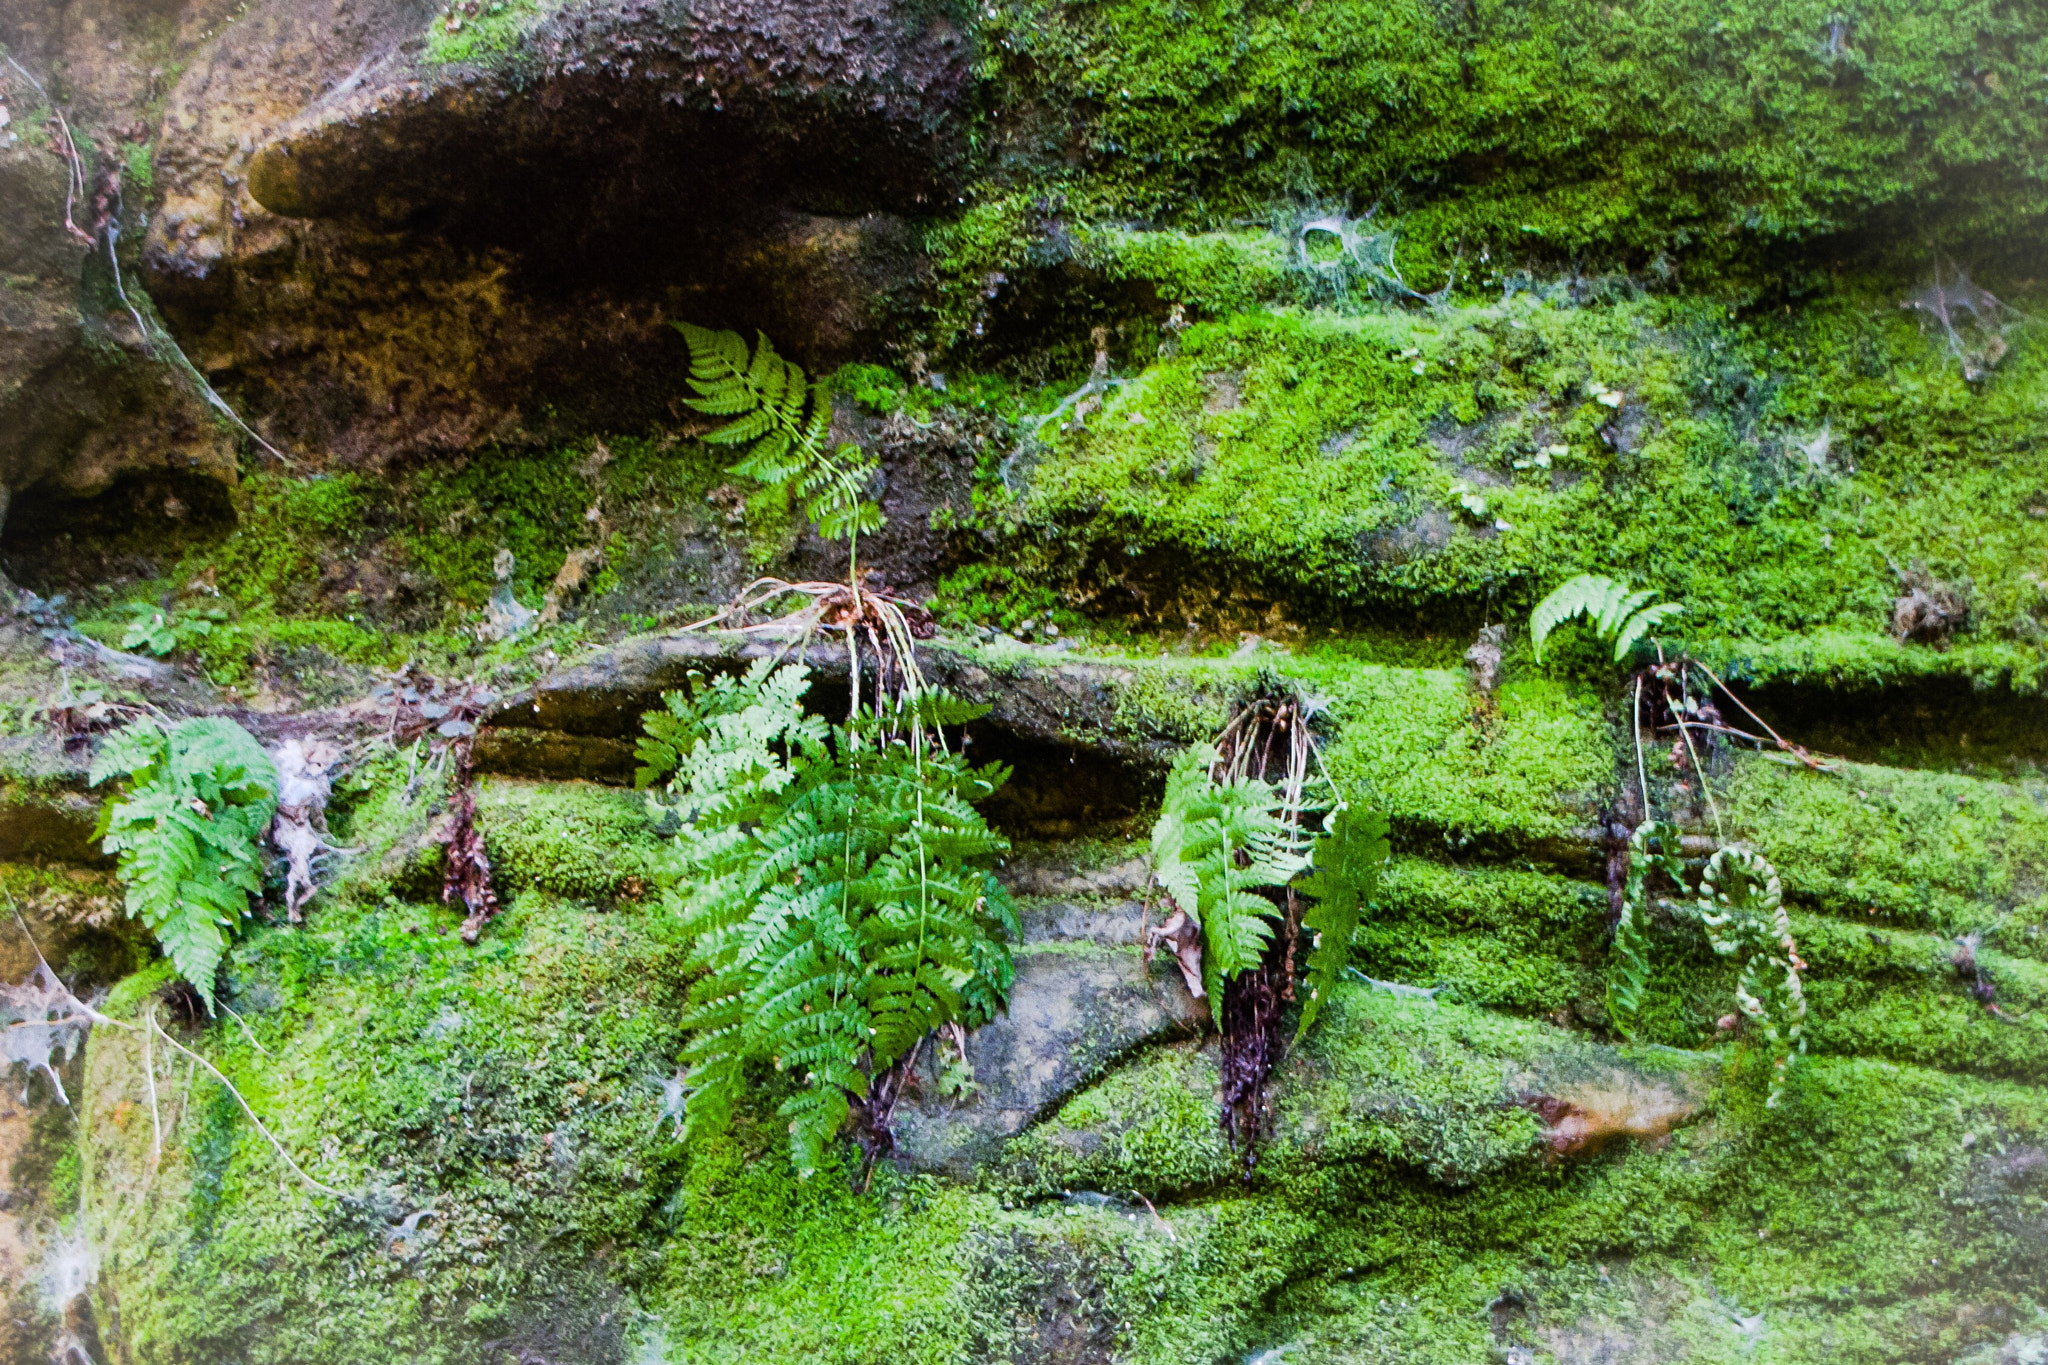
(196, 799)
(1616, 612)
(1741, 904)
(836, 883)
(1214, 845)
(783, 421)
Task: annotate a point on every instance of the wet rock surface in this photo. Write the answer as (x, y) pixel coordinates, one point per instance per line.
(1084, 998)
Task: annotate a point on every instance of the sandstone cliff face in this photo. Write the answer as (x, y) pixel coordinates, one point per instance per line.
(1202, 350)
(393, 252)
(81, 399)
(377, 249)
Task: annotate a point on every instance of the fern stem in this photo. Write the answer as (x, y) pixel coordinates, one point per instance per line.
(1636, 725)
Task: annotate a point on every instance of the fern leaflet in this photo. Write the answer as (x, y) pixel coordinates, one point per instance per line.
(1741, 903)
(1654, 847)
(1743, 907)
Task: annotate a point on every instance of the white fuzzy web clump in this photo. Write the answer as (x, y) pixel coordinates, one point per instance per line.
(41, 1026)
(1972, 319)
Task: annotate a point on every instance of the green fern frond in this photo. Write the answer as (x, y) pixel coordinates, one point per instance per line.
(1344, 879)
(1615, 612)
(1741, 904)
(784, 421)
(1638, 625)
(198, 797)
(1654, 847)
(835, 884)
(1213, 846)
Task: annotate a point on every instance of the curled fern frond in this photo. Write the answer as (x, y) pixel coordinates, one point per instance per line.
(1742, 905)
(185, 828)
(1615, 611)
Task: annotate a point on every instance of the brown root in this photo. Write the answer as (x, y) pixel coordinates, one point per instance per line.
(1249, 1018)
(467, 874)
(887, 625)
(873, 1119)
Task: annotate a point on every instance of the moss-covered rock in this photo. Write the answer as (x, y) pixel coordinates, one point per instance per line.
(576, 841)
(1915, 848)
(1666, 127)
(431, 258)
(494, 1117)
(1758, 471)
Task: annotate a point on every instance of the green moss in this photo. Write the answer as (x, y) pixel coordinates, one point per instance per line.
(1899, 996)
(1563, 126)
(1402, 1192)
(289, 529)
(529, 502)
(994, 595)
(1209, 274)
(1150, 1126)
(487, 37)
(1418, 744)
(1764, 473)
(1851, 660)
(1525, 942)
(1180, 704)
(509, 1094)
(764, 1268)
(130, 995)
(574, 840)
(1896, 846)
(138, 163)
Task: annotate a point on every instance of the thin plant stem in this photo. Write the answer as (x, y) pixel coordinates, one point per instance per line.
(75, 186)
(1706, 784)
(268, 1136)
(1636, 725)
(150, 1024)
(1803, 755)
(246, 1030)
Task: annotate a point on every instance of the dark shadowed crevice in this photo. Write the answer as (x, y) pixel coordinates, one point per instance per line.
(1948, 723)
